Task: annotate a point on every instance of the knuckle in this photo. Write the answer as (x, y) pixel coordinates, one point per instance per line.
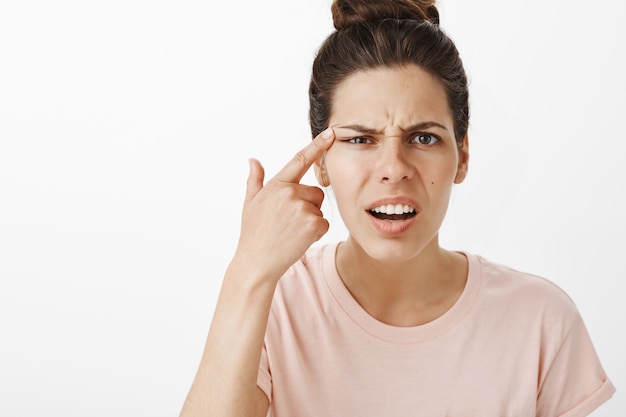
(290, 193)
(309, 228)
(301, 159)
(280, 190)
(321, 228)
(318, 194)
(316, 226)
(301, 206)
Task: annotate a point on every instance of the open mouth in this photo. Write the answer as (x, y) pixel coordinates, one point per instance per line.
(393, 212)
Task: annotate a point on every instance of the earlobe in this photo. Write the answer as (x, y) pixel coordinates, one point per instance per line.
(461, 171)
(320, 172)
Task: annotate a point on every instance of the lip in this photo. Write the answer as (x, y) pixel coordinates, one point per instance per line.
(397, 227)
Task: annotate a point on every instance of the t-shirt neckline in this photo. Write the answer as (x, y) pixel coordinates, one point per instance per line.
(395, 334)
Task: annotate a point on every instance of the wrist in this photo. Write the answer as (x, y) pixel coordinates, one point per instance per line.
(244, 277)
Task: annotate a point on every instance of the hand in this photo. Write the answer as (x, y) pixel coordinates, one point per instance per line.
(282, 218)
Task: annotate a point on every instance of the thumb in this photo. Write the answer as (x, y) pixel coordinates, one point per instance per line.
(255, 179)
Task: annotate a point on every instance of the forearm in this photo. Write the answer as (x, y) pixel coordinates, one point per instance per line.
(280, 221)
(225, 384)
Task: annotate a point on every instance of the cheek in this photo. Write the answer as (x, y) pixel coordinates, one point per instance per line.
(339, 168)
(439, 182)
(439, 171)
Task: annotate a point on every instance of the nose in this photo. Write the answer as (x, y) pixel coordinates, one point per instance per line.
(393, 164)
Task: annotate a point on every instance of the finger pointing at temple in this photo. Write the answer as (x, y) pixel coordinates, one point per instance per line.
(302, 161)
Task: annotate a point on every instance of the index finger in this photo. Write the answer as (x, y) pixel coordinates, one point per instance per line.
(302, 161)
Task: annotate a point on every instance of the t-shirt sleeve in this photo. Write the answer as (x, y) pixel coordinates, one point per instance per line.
(574, 384)
(264, 378)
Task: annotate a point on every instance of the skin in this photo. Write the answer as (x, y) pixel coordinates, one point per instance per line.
(395, 142)
(280, 220)
(396, 270)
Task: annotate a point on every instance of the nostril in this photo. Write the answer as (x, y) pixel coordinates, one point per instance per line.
(404, 178)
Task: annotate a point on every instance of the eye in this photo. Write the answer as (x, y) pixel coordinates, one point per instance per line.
(359, 140)
(425, 139)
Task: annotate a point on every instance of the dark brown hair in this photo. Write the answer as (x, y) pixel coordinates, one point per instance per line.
(386, 33)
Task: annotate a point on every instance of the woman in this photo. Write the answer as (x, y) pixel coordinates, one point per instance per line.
(386, 322)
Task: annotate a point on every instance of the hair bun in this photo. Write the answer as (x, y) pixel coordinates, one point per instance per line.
(349, 12)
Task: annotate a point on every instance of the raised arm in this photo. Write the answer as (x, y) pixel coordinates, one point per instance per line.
(280, 220)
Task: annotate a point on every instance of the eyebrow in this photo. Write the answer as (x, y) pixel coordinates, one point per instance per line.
(412, 128)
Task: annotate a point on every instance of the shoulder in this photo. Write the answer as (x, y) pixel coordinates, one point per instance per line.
(524, 294)
(523, 285)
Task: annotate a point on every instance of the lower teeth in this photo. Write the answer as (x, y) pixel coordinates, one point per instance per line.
(385, 216)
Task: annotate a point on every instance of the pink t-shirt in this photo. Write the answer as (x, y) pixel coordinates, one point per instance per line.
(513, 345)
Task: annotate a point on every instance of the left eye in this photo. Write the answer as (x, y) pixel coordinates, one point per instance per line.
(425, 139)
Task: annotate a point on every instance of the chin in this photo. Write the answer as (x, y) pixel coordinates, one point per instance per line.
(393, 251)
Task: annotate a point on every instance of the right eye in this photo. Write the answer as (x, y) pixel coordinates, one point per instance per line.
(359, 140)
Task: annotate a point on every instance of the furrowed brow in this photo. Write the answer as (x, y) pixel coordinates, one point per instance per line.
(361, 129)
(423, 126)
(411, 128)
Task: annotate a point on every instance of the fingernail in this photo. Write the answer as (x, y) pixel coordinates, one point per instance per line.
(328, 133)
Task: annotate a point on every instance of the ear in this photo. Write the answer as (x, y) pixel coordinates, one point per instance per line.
(320, 171)
(461, 171)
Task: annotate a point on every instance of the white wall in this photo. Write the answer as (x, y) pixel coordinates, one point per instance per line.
(125, 127)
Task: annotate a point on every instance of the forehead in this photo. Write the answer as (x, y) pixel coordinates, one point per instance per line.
(406, 93)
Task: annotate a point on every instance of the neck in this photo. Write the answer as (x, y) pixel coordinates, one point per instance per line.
(403, 293)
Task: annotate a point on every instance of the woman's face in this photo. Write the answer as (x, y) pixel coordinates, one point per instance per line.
(394, 160)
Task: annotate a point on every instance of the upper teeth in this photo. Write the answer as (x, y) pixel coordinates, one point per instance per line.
(394, 209)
